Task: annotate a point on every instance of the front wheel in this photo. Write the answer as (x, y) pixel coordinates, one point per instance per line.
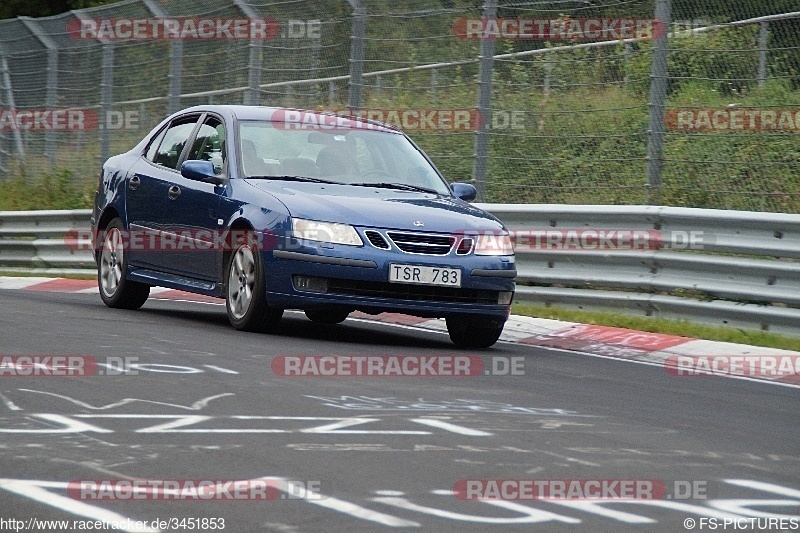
(245, 295)
(112, 265)
(474, 332)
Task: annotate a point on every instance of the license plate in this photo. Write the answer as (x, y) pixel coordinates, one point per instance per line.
(425, 275)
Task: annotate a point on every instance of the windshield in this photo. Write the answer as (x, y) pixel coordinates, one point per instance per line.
(361, 157)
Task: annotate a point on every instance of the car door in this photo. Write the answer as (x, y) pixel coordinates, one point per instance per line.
(190, 216)
(147, 192)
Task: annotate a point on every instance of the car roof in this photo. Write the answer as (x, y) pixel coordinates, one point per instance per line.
(286, 114)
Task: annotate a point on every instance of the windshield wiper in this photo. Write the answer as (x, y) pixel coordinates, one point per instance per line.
(293, 178)
(398, 186)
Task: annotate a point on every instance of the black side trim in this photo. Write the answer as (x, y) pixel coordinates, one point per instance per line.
(494, 273)
(311, 258)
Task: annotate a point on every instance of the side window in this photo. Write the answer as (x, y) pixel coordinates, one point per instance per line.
(154, 144)
(171, 146)
(209, 145)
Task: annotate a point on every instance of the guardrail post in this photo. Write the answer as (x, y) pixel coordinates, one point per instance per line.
(658, 95)
(481, 147)
(357, 54)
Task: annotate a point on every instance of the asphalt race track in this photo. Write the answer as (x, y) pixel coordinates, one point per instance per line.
(196, 400)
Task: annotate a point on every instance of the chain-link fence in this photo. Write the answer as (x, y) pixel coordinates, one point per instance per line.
(673, 102)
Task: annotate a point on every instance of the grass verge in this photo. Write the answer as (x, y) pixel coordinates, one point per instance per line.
(661, 325)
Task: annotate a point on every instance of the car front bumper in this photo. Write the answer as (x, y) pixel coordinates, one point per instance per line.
(315, 275)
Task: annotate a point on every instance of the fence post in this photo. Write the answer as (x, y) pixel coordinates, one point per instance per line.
(176, 60)
(106, 97)
(251, 95)
(357, 53)
(762, 54)
(658, 96)
(175, 73)
(481, 146)
(9, 89)
(52, 82)
(548, 73)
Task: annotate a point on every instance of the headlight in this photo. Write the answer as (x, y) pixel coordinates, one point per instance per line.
(325, 232)
(490, 244)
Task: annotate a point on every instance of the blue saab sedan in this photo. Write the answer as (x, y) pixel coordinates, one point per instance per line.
(277, 209)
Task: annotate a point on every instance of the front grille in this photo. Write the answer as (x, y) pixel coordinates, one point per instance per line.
(426, 293)
(422, 243)
(376, 239)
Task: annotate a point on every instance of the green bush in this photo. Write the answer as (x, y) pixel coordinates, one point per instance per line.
(57, 190)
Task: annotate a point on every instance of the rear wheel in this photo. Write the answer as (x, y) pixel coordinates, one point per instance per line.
(327, 316)
(474, 332)
(246, 292)
(115, 289)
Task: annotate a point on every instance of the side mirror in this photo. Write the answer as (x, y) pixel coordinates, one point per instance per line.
(197, 170)
(465, 191)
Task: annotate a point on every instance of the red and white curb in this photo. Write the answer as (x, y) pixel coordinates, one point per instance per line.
(601, 341)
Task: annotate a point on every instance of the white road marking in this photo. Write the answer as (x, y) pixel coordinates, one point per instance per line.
(69, 425)
(451, 427)
(220, 369)
(11, 406)
(529, 514)
(767, 487)
(35, 490)
(343, 506)
(196, 406)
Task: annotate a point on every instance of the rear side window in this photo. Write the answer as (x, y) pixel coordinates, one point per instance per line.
(173, 140)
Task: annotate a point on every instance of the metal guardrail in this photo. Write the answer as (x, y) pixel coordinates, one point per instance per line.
(34, 241)
(734, 268)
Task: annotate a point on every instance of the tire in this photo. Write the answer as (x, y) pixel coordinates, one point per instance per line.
(112, 265)
(327, 316)
(245, 292)
(474, 332)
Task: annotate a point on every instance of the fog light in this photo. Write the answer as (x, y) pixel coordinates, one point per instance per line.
(505, 297)
(310, 284)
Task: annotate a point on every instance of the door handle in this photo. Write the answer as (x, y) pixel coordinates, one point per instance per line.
(134, 182)
(174, 192)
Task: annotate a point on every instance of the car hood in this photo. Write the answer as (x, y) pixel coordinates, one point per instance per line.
(378, 208)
